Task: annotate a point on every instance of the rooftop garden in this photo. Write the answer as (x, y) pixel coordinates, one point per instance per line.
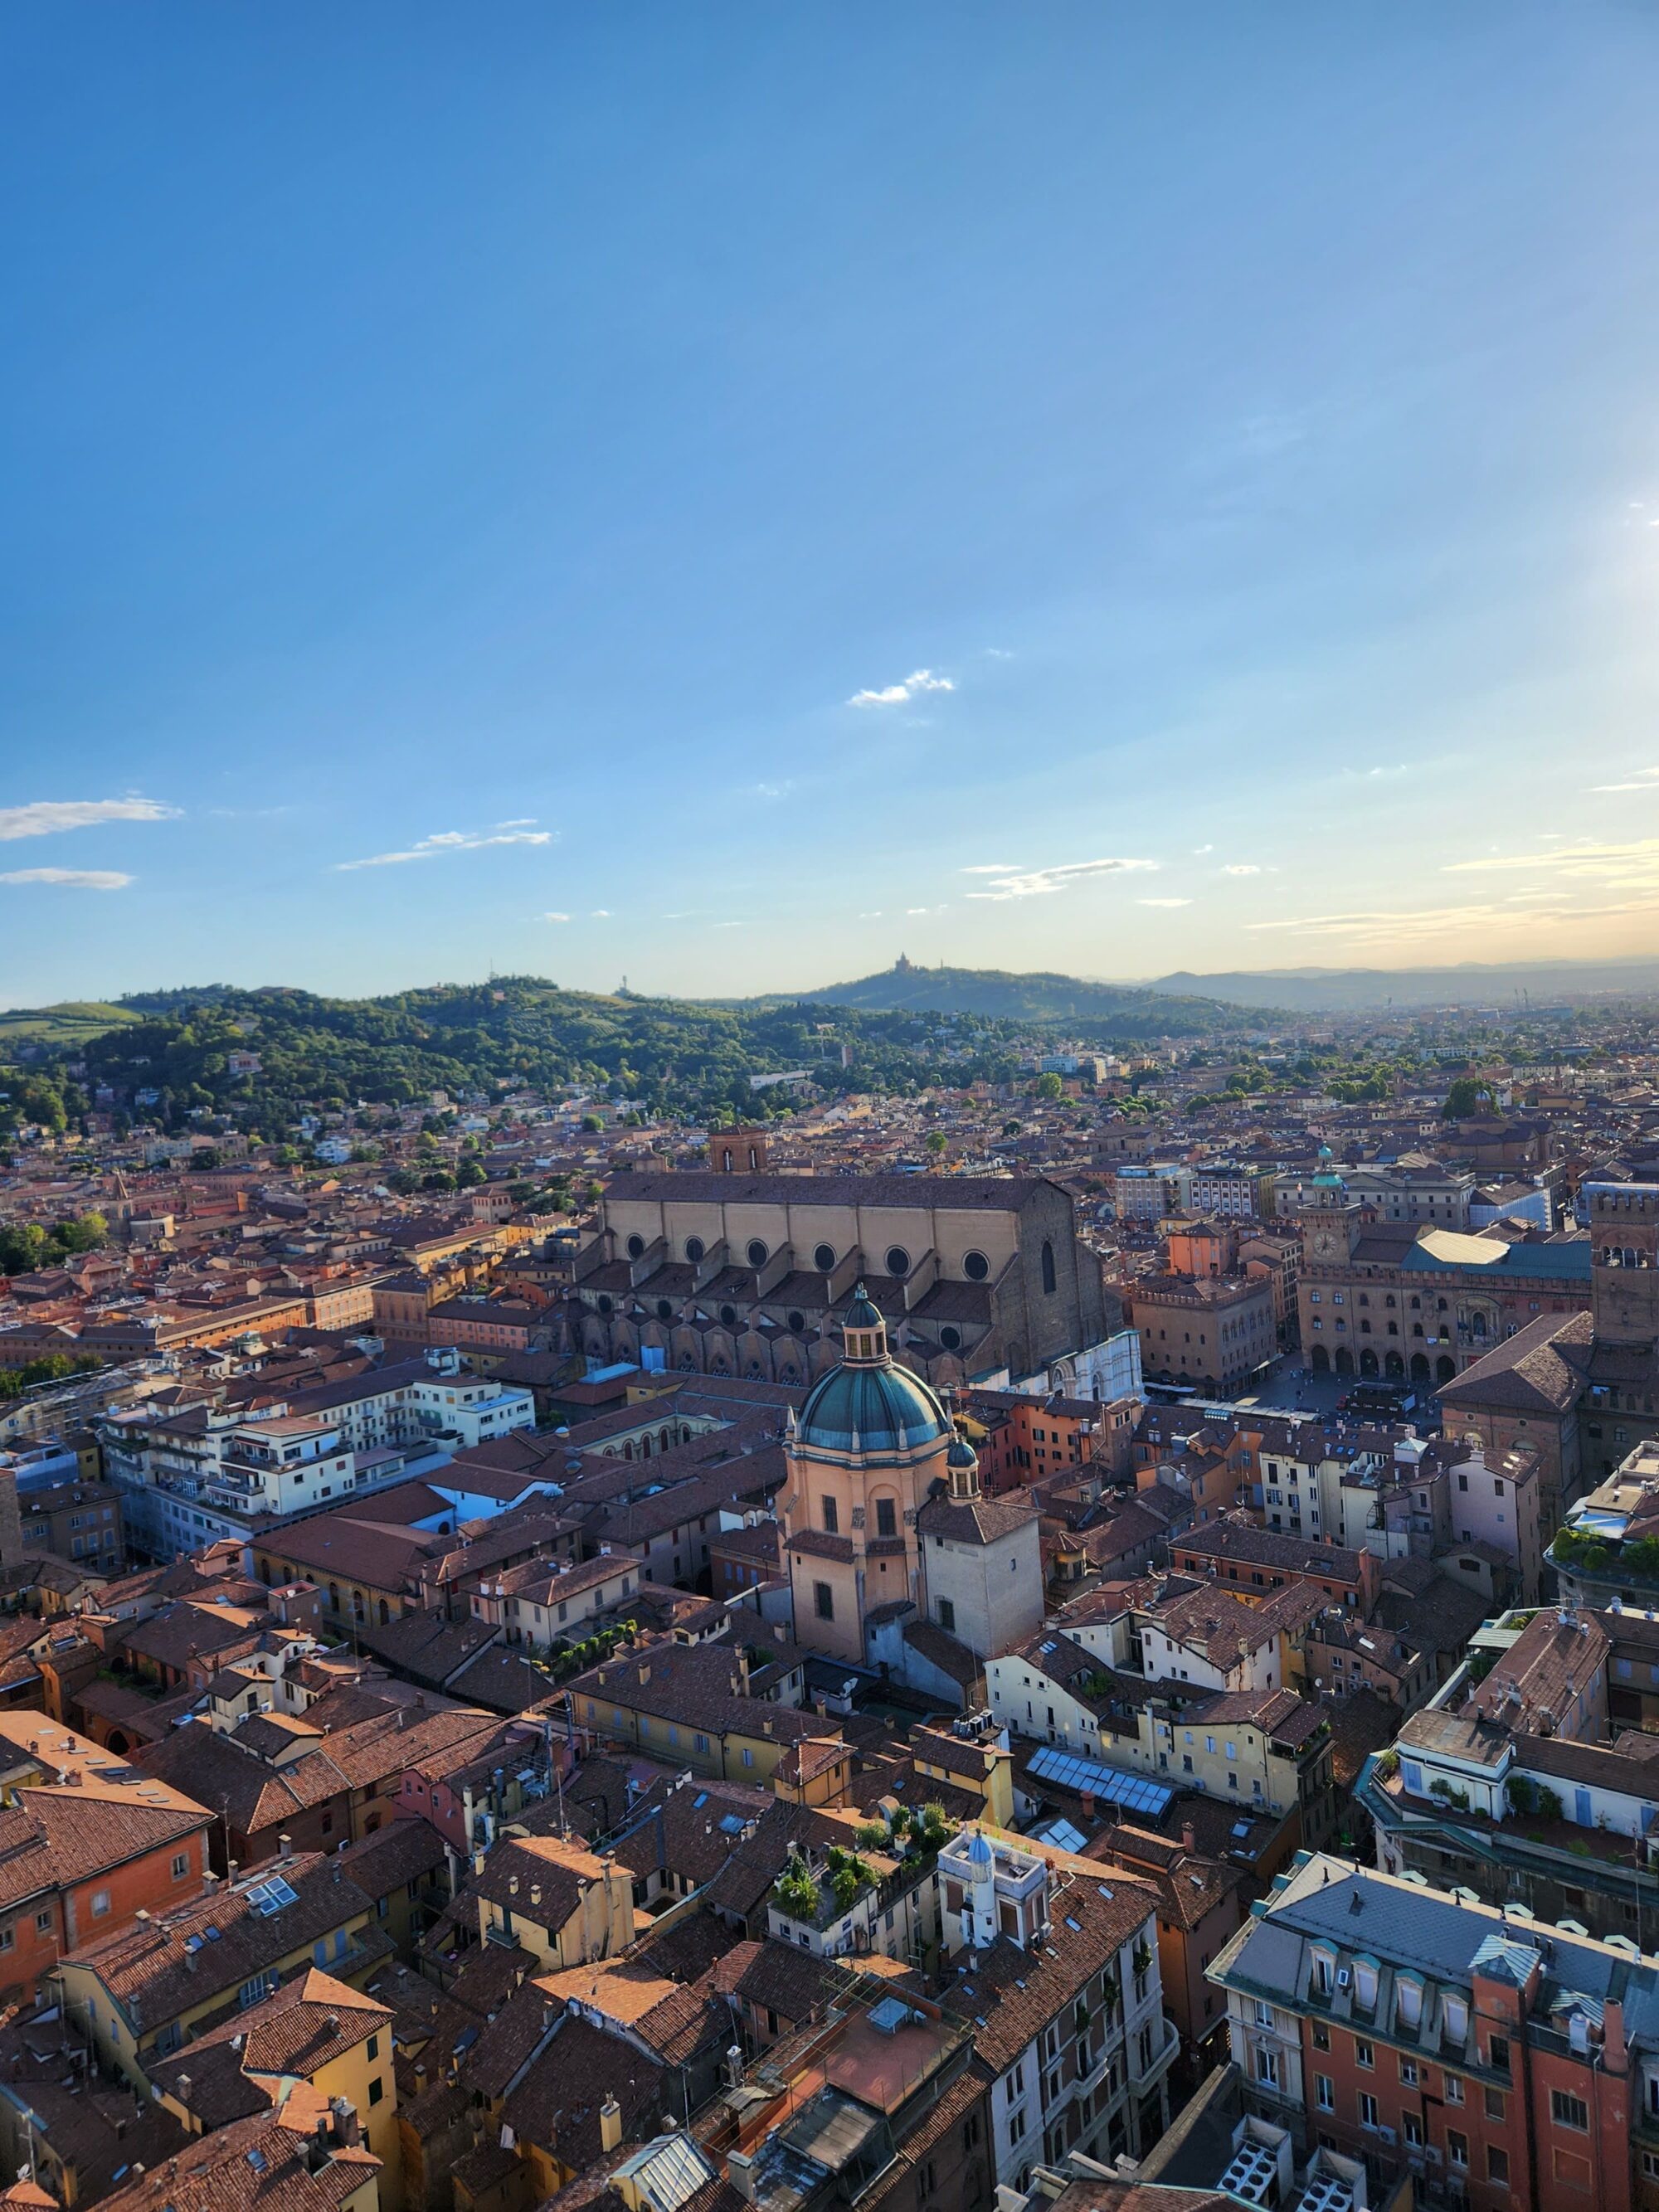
(821, 1898)
(1593, 1554)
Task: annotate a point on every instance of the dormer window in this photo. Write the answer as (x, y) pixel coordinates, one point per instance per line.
(1455, 2018)
(1324, 1972)
(1408, 2001)
(1365, 1984)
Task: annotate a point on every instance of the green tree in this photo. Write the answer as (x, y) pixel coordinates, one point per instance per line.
(1051, 1086)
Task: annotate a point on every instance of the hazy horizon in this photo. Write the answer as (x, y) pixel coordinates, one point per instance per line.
(718, 499)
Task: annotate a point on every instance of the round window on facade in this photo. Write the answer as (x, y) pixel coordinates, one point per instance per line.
(694, 1250)
(823, 1258)
(797, 1322)
(636, 1248)
(663, 1310)
(950, 1339)
(976, 1266)
(604, 1301)
(729, 1316)
(898, 1261)
(757, 1252)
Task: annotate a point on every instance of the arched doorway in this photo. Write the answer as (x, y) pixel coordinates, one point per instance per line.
(1419, 1367)
(1344, 1362)
(1368, 1361)
(1445, 1370)
(1394, 1367)
(1320, 1360)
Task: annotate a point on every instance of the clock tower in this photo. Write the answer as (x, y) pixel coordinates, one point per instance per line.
(1330, 1227)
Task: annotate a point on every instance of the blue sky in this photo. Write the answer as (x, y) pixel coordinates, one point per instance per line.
(718, 496)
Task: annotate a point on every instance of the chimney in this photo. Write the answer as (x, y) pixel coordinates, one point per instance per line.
(348, 2134)
(1188, 1837)
(285, 1846)
(610, 2129)
(740, 2172)
(182, 2086)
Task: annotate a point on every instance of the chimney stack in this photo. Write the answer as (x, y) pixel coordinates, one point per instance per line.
(610, 2127)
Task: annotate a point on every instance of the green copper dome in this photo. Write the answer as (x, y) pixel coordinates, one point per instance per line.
(871, 1409)
(870, 1404)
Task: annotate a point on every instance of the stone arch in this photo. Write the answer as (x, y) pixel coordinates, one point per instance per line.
(1368, 1361)
(1343, 1361)
(1394, 1367)
(1445, 1370)
(1320, 1360)
(1419, 1367)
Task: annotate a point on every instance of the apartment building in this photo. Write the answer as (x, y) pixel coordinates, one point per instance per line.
(77, 1520)
(1533, 1774)
(193, 1476)
(138, 1994)
(1500, 2064)
(1055, 1961)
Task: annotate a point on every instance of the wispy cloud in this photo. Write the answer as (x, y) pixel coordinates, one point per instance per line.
(47, 818)
(871, 913)
(1631, 866)
(1642, 779)
(556, 917)
(1168, 902)
(994, 868)
(1519, 915)
(1039, 883)
(450, 841)
(1200, 850)
(74, 879)
(772, 790)
(895, 695)
(1247, 868)
(601, 914)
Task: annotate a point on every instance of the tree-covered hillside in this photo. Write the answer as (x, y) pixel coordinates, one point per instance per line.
(1103, 1012)
(672, 1054)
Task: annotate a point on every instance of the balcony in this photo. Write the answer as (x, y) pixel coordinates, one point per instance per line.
(1164, 2054)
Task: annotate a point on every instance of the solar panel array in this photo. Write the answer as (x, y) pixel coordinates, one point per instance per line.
(1133, 1793)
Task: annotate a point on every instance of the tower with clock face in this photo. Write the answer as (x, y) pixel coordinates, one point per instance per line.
(1329, 1229)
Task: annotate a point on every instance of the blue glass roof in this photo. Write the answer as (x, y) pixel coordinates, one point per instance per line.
(1132, 1793)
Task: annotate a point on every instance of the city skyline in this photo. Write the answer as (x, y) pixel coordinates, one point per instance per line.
(722, 502)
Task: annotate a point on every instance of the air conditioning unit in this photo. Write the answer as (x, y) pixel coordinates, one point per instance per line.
(1385, 2134)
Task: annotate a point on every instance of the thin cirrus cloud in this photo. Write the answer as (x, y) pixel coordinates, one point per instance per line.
(1248, 868)
(895, 695)
(452, 840)
(556, 917)
(1633, 865)
(48, 817)
(1642, 779)
(1041, 883)
(1168, 902)
(74, 879)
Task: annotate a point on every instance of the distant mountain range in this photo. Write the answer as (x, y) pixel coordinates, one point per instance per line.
(1185, 1004)
(1508, 985)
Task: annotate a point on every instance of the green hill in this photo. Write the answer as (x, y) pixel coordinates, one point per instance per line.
(69, 1024)
(674, 1054)
(1110, 1010)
